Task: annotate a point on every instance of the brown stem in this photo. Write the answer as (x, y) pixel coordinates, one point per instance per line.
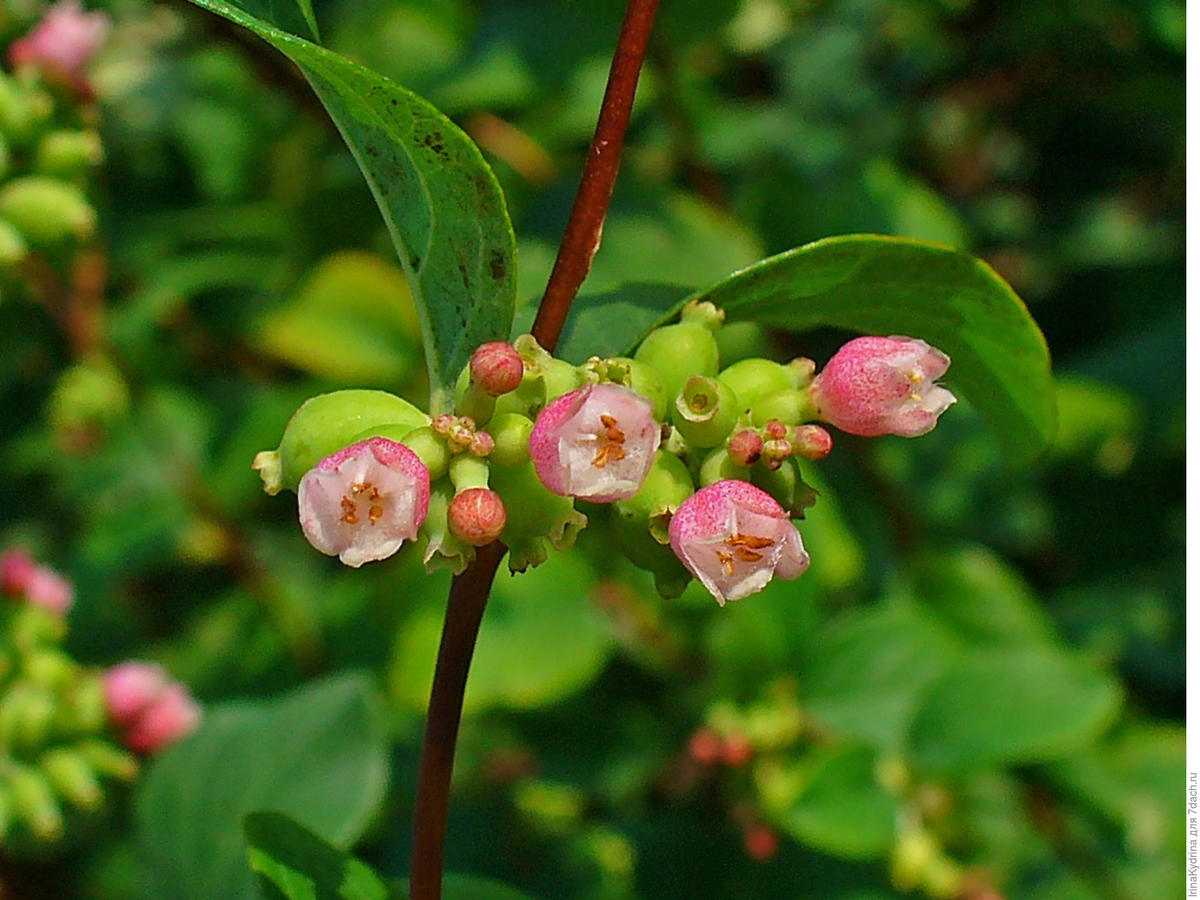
(464, 612)
(581, 238)
(469, 591)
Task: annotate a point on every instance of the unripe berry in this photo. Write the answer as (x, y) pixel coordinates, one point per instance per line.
(325, 424)
(510, 434)
(753, 379)
(705, 411)
(47, 211)
(687, 348)
(791, 407)
(497, 367)
(481, 444)
(761, 842)
(477, 516)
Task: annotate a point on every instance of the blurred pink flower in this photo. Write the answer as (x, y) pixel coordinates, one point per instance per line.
(63, 42)
(16, 568)
(152, 710)
(49, 590)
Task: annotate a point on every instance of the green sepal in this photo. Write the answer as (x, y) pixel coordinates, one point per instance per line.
(440, 549)
(538, 519)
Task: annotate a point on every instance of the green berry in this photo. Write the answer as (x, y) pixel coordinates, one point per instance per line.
(753, 379)
(46, 210)
(678, 351)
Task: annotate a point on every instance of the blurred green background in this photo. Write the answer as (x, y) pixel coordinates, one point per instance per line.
(978, 686)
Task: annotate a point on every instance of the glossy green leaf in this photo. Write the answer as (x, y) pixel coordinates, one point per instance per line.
(293, 863)
(440, 200)
(887, 285)
(1011, 706)
(318, 754)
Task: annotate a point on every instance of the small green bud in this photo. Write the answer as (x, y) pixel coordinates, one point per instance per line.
(107, 760)
(50, 668)
(705, 411)
(83, 708)
(72, 778)
(754, 379)
(510, 432)
(678, 351)
(46, 210)
(34, 803)
(16, 110)
(791, 407)
(13, 248)
(325, 424)
(26, 715)
(88, 398)
(68, 154)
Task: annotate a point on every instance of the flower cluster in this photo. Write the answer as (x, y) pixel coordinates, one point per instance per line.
(48, 136)
(699, 465)
(62, 725)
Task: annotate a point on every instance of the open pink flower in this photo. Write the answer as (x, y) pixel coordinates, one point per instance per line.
(877, 385)
(63, 42)
(596, 443)
(735, 538)
(363, 502)
(49, 590)
(16, 568)
(151, 710)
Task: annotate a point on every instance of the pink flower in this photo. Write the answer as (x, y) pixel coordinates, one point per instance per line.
(147, 706)
(363, 502)
(878, 385)
(62, 42)
(596, 443)
(129, 688)
(172, 715)
(16, 568)
(497, 367)
(49, 590)
(735, 538)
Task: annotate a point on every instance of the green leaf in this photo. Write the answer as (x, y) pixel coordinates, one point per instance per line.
(318, 754)
(887, 285)
(867, 670)
(1016, 705)
(542, 640)
(440, 200)
(844, 810)
(294, 863)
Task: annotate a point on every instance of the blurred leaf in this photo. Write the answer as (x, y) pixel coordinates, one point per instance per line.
(294, 863)
(441, 202)
(980, 597)
(542, 639)
(318, 754)
(867, 669)
(1099, 422)
(1015, 705)
(844, 810)
(883, 285)
(352, 319)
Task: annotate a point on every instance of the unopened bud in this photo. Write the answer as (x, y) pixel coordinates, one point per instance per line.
(443, 423)
(745, 447)
(811, 441)
(46, 210)
(775, 452)
(72, 778)
(705, 746)
(477, 516)
(775, 430)
(497, 367)
(737, 750)
(481, 444)
(67, 154)
(761, 842)
(34, 803)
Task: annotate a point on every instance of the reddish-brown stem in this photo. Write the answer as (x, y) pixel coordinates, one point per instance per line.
(469, 591)
(581, 238)
(464, 612)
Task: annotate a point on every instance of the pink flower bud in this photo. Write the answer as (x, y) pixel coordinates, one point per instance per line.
(442, 424)
(130, 688)
(811, 441)
(363, 502)
(761, 842)
(497, 367)
(476, 516)
(775, 430)
(596, 443)
(481, 444)
(745, 447)
(16, 568)
(63, 42)
(49, 590)
(735, 538)
(173, 714)
(775, 451)
(877, 385)
(737, 750)
(705, 746)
